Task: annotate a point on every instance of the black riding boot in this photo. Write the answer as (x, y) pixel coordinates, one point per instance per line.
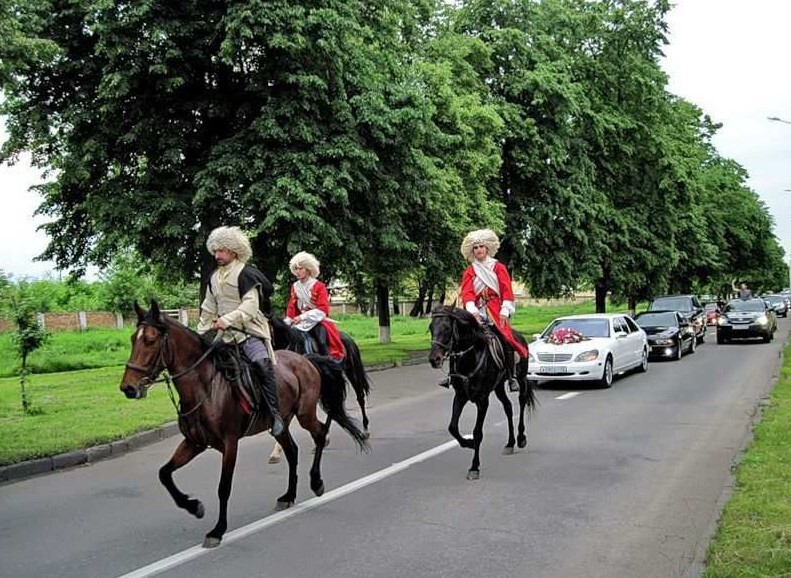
(269, 389)
(510, 369)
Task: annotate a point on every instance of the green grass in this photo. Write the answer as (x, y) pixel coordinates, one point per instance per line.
(79, 408)
(69, 350)
(74, 410)
(754, 535)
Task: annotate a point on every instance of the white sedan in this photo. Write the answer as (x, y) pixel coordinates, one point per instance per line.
(588, 347)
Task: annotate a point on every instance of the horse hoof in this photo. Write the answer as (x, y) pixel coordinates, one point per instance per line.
(274, 460)
(473, 475)
(522, 442)
(319, 490)
(199, 511)
(366, 435)
(211, 542)
(284, 504)
(508, 450)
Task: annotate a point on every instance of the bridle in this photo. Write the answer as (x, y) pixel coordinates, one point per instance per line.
(160, 365)
(454, 356)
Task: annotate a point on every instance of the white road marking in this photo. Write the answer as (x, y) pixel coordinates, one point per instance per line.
(234, 535)
(568, 395)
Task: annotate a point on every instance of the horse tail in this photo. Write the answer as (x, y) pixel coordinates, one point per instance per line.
(530, 395)
(333, 396)
(354, 368)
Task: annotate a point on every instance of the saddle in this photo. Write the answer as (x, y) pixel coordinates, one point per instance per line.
(234, 366)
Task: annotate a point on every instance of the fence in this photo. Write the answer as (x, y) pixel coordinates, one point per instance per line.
(82, 320)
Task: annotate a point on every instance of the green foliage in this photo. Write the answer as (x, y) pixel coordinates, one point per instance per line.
(26, 338)
(374, 134)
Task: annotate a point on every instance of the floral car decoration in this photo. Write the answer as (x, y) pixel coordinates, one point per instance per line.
(565, 335)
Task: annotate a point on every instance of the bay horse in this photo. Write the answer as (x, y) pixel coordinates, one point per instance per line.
(475, 373)
(285, 336)
(210, 412)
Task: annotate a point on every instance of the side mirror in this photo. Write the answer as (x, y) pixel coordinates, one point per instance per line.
(537, 336)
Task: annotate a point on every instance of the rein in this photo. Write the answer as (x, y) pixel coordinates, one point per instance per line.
(454, 356)
(160, 365)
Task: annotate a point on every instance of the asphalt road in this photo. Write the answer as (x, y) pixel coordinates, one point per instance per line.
(626, 482)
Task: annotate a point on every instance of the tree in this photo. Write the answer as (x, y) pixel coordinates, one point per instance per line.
(27, 337)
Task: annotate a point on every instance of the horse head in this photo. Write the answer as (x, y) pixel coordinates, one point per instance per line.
(450, 328)
(147, 359)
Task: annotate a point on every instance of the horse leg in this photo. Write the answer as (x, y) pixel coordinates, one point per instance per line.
(183, 455)
(459, 401)
(361, 403)
(525, 393)
(274, 455)
(230, 448)
(320, 438)
(290, 449)
(477, 435)
(499, 391)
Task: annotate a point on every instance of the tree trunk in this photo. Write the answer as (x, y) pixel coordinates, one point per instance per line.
(430, 300)
(417, 308)
(632, 306)
(383, 306)
(601, 296)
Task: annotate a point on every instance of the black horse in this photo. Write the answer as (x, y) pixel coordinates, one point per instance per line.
(285, 336)
(476, 369)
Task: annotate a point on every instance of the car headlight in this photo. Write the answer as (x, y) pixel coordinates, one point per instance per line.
(762, 320)
(530, 358)
(722, 320)
(591, 355)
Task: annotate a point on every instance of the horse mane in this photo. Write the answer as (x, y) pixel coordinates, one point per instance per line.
(463, 317)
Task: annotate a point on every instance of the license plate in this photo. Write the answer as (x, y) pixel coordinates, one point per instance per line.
(740, 327)
(555, 369)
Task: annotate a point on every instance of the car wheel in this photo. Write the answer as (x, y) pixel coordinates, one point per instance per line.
(680, 348)
(643, 367)
(701, 338)
(693, 346)
(607, 375)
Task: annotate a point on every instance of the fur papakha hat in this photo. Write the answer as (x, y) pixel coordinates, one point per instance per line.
(306, 260)
(230, 239)
(485, 237)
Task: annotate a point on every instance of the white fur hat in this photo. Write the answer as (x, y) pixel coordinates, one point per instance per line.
(306, 260)
(485, 237)
(230, 239)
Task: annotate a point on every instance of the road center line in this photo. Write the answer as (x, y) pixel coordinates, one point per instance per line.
(196, 551)
(568, 395)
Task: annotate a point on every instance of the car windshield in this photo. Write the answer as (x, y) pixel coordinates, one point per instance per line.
(671, 303)
(589, 327)
(774, 298)
(745, 305)
(667, 319)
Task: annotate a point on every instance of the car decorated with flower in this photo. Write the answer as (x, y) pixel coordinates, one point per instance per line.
(588, 348)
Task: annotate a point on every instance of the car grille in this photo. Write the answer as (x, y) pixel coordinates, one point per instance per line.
(554, 357)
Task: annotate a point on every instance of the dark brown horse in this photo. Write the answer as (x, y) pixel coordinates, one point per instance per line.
(210, 413)
(475, 373)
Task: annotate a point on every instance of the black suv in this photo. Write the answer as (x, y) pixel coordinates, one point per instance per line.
(689, 306)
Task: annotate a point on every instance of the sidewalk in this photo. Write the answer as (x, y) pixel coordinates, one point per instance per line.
(26, 469)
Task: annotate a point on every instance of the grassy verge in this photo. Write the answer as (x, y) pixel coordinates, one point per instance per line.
(753, 538)
(79, 408)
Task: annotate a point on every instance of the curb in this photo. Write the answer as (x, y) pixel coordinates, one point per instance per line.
(22, 470)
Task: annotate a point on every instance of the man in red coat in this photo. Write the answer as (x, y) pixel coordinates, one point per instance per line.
(487, 292)
(309, 306)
